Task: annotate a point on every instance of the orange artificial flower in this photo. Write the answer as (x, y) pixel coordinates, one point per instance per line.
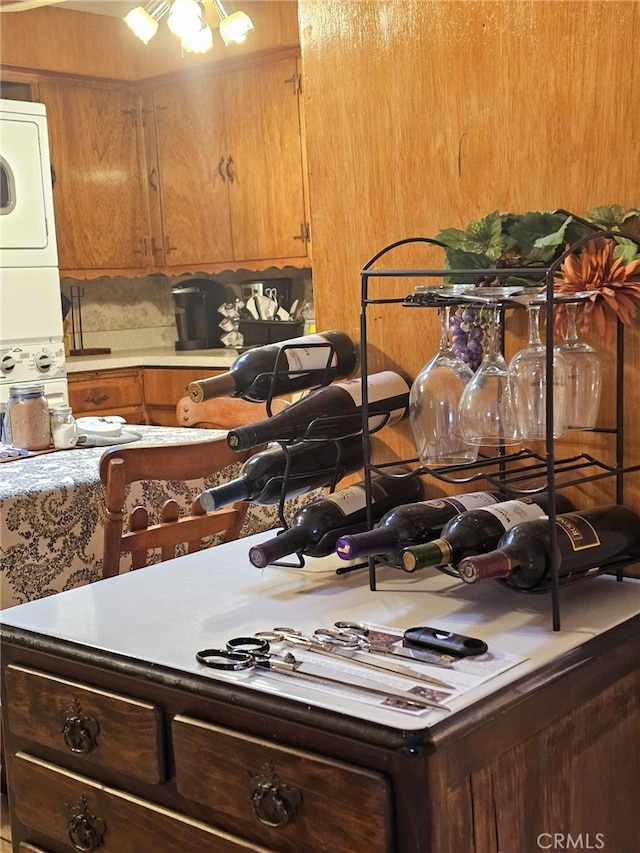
(612, 284)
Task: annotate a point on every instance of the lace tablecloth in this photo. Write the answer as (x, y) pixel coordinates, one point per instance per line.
(52, 507)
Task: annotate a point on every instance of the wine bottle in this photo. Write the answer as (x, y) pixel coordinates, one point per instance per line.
(477, 531)
(588, 542)
(314, 528)
(306, 362)
(311, 465)
(410, 524)
(331, 412)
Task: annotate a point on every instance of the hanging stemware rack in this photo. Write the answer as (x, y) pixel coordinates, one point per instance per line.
(523, 472)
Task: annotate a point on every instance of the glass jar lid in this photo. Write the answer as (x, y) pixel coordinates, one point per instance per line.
(26, 389)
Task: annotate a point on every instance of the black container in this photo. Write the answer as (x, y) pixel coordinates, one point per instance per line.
(255, 333)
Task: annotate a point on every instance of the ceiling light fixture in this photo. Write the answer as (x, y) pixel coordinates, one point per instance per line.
(143, 20)
(187, 19)
(234, 28)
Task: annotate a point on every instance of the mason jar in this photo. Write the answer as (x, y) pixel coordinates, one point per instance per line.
(64, 429)
(27, 417)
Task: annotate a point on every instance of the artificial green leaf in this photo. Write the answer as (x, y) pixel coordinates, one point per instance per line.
(453, 237)
(610, 217)
(458, 259)
(626, 249)
(540, 235)
(482, 237)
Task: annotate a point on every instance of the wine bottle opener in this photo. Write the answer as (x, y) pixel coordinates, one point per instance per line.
(443, 641)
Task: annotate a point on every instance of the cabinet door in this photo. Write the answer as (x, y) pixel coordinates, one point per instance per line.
(163, 387)
(97, 158)
(189, 120)
(266, 166)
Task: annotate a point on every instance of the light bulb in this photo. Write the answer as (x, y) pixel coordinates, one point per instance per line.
(141, 24)
(201, 42)
(235, 28)
(185, 18)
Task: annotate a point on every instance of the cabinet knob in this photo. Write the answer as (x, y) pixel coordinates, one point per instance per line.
(84, 829)
(79, 732)
(273, 802)
(220, 170)
(230, 174)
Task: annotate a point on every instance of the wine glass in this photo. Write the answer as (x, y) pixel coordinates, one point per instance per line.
(486, 414)
(433, 405)
(528, 379)
(584, 376)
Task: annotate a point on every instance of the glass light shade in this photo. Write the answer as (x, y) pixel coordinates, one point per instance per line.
(201, 42)
(185, 18)
(141, 24)
(235, 28)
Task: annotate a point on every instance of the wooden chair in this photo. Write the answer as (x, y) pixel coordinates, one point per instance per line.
(224, 412)
(121, 466)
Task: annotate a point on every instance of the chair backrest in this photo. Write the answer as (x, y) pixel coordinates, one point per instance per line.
(224, 412)
(121, 466)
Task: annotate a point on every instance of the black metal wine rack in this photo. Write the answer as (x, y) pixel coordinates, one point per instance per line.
(522, 473)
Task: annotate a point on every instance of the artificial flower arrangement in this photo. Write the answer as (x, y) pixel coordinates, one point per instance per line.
(606, 266)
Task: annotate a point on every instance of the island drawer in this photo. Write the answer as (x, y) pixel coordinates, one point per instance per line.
(101, 728)
(70, 808)
(286, 798)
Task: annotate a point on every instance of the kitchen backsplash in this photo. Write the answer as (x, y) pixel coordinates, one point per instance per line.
(124, 313)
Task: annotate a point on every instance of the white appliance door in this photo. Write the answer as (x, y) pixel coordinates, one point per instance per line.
(27, 233)
(30, 305)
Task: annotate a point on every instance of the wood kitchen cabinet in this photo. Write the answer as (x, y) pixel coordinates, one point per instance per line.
(231, 167)
(99, 193)
(99, 393)
(163, 387)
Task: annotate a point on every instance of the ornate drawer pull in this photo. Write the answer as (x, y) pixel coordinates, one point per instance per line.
(85, 830)
(78, 731)
(273, 802)
(96, 400)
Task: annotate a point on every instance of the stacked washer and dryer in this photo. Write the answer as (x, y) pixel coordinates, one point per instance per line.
(31, 333)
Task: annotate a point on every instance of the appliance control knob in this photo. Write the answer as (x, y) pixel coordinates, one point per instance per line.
(44, 362)
(7, 363)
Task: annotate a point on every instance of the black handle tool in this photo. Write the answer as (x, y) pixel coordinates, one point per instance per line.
(444, 641)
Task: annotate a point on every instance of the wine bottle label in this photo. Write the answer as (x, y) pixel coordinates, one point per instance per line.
(354, 498)
(309, 358)
(510, 513)
(474, 500)
(380, 387)
(579, 532)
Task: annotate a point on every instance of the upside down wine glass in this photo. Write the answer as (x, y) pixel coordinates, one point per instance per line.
(584, 376)
(433, 405)
(529, 386)
(486, 414)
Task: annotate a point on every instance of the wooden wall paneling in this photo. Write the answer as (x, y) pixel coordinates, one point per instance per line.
(422, 116)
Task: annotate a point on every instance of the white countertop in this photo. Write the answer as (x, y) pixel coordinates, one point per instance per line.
(217, 594)
(153, 357)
